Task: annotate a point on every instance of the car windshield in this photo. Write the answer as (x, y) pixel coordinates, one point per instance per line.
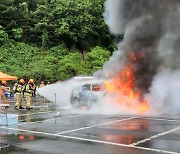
(86, 87)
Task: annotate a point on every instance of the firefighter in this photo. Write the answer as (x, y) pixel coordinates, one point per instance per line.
(28, 92)
(41, 84)
(2, 91)
(48, 83)
(18, 90)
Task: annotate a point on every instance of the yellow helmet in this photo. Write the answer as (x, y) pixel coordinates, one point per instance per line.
(22, 81)
(4, 82)
(31, 80)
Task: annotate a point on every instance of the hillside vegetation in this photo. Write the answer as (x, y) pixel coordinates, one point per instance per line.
(53, 39)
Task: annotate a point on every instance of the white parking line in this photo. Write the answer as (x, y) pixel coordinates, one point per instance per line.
(93, 140)
(74, 130)
(55, 118)
(35, 113)
(20, 115)
(26, 123)
(117, 144)
(2, 147)
(155, 136)
(155, 150)
(160, 119)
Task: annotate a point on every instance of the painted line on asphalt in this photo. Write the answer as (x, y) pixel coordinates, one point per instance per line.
(94, 141)
(26, 123)
(35, 113)
(117, 144)
(74, 130)
(26, 119)
(175, 117)
(5, 146)
(30, 119)
(31, 113)
(156, 136)
(141, 117)
(160, 119)
(55, 118)
(155, 150)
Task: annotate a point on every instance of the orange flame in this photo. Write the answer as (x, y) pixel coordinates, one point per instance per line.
(123, 87)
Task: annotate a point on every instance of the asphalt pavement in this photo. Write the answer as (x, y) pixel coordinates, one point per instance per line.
(46, 130)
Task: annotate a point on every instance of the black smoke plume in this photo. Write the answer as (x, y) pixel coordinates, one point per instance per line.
(151, 27)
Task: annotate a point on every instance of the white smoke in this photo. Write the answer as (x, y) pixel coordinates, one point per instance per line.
(164, 93)
(112, 9)
(151, 26)
(59, 93)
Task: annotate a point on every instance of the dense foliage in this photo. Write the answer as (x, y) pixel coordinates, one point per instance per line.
(53, 39)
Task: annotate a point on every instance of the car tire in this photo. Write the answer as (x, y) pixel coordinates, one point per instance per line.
(75, 102)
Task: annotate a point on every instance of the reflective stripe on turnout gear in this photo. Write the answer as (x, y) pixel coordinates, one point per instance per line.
(29, 90)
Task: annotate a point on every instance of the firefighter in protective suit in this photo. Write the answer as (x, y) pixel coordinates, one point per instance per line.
(18, 90)
(29, 89)
(2, 91)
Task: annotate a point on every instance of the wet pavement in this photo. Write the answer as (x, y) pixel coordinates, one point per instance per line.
(72, 132)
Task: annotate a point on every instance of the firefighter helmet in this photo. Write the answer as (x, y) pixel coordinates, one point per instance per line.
(22, 81)
(4, 82)
(31, 80)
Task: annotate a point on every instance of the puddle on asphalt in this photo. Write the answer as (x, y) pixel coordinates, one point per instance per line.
(15, 150)
(28, 117)
(132, 131)
(15, 141)
(123, 139)
(126, 132)
(16, 138)
(123, 132)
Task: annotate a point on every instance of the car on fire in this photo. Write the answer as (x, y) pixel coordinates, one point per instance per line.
(86, 94)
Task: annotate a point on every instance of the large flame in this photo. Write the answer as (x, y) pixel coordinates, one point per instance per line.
(122, 88)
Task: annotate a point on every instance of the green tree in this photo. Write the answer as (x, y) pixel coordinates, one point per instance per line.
(17, 33)
(3, 36)
(44, 68)
(58, 51)
(96, 59)
(16, 58)
(53, 39)
(70, 65)
(80, 23)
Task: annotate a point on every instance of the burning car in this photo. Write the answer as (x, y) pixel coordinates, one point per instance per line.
(86, 94)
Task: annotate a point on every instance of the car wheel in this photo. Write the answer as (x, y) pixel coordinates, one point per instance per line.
(75, 102)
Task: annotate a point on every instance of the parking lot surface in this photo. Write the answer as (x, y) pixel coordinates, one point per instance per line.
(71, 132)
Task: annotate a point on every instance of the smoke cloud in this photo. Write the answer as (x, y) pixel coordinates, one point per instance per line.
(59, 93)
(151, 27)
